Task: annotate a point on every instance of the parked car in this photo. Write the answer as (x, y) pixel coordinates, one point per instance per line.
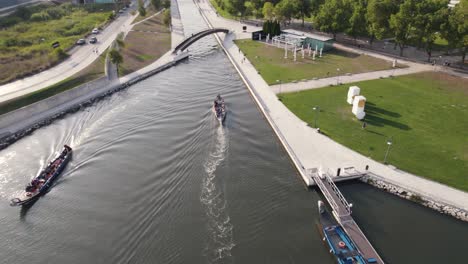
(81, 42)
(121, 11)
(93, 40)
(95, 31)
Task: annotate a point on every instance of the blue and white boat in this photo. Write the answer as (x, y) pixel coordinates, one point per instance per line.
(340, 244)
(42, 182)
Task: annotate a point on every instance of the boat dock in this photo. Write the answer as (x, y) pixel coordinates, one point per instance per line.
(341, 210)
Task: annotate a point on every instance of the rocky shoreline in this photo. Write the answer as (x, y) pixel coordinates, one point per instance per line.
(418, 198)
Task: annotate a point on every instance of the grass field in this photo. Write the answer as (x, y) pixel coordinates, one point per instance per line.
(147, 42)
(92, 72)
(272, 65)
(150, 10)
(425, 114)
(25, 43)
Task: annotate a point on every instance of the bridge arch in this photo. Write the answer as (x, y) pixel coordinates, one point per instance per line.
(192, 39)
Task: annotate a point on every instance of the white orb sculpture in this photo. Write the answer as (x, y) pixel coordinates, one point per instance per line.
(358, 106)
(352, 92)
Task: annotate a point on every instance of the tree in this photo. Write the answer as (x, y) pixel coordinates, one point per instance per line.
(120, 40)
(455, 29)
(428, 21)
(166, 3)
(167, 17)
(402, 22)
(315, 6)
(303, 9)
(333, 16)
(284, 10)
(141, 8)
(268, 11)
(237, 7)
(157, 4)
(378, 16)
(115, 57)
(358, 21)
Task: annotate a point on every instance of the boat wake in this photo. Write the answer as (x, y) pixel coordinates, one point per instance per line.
(220, 243)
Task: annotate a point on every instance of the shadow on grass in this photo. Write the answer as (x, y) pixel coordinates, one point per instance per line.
(374, 120)
(343, 53)
(371, 108)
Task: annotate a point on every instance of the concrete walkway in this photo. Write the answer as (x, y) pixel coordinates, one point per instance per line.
(80, 58)
(177, 29)
(312, 149)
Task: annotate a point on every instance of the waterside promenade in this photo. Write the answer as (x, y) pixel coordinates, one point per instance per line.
(309, 149)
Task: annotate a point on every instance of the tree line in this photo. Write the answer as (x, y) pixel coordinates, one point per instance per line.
(417, 21)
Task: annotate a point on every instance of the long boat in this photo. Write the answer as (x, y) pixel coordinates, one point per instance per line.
(219, 109)
(42, 183)
(339, 243)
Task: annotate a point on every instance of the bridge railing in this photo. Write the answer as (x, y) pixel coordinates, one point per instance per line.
(338, 193)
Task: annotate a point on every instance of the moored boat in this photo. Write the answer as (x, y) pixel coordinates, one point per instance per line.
(340, 244)
(41, 183)
(219, 109)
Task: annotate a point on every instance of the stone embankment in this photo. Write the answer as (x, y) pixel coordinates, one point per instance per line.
(415, 197)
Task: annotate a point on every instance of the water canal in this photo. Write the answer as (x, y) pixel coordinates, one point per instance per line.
(154, 179)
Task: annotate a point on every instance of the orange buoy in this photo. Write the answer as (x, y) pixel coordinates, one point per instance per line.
(341, 244)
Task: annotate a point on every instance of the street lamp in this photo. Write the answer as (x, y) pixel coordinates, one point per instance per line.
(389, 144)
(316, 109)
(338, 76)
(280, 82)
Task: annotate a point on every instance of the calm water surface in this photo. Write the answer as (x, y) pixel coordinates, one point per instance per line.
(155, 179)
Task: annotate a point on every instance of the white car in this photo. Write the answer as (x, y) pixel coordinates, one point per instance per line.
(95, 31)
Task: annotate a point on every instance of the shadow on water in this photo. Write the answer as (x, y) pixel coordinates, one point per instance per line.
(25, 208)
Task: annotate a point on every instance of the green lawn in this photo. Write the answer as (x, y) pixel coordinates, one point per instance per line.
(425, 114)
(272, 65)
(150, 40)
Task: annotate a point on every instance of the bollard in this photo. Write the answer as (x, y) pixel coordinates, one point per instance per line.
(338, 172)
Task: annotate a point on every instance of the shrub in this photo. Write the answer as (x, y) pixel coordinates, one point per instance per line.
(60, 54)
(167, 17)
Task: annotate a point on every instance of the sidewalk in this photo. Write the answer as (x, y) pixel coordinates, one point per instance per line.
(315, 150)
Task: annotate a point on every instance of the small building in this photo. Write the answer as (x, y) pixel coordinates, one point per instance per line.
(314, 40)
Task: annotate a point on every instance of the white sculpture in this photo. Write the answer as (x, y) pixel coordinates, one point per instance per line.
(295, 53)
(302, 51)
(321, 52)
(352, 92)
(313, 56)
(358, 106)
(308, 46)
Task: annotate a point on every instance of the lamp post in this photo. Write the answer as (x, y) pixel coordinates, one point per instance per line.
(280, 83)
(316, 109)
(338, 76)
(389, 144)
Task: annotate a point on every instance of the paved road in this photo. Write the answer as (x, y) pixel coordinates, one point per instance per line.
(314, 150)
(80, 58)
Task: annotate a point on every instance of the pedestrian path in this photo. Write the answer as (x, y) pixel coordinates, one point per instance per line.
(311, 149)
